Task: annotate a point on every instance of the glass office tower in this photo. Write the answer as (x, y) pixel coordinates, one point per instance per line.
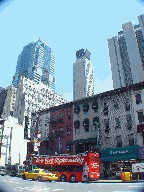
(36, 62)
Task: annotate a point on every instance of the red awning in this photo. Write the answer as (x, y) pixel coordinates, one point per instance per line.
(140, 128)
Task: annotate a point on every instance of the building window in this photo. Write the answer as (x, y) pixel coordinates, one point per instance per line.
(106, 122)
(85, 107)
(77, 124)
(61, 133)
(129, 121)
(68, 115)
(77, 109)
(141, 117)
(86, 124)
(116, 104)
(119, 141)
(95, 106)
(138, 99)
(68, 130)
(11, 113)
(61, 117)
(117, 123)
(53, 118)
(108, 142)
(96, 122)
(105, 108)
(127, 106)
(68, 147)
(131, 139)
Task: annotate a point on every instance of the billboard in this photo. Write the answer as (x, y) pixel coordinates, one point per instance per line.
(35, 144)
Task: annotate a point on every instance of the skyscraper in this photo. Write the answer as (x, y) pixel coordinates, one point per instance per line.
(83, 82)
(126, 53)
(36, 62)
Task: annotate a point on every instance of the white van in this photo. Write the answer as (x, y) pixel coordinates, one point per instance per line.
(15, 170)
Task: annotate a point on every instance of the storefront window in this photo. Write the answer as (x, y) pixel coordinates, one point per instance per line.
(131, 140)
(119, 141)
(140, 117)
(129, 121)
(117, 123)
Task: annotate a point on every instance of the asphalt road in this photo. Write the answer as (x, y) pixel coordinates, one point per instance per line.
(12, 184)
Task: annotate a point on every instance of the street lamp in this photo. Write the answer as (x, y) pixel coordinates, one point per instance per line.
(97, 124)
(38, 138)
(6, 137)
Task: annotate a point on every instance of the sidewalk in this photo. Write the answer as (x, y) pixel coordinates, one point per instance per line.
(117, 181)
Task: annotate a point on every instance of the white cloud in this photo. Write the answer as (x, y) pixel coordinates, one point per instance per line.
(103, 86)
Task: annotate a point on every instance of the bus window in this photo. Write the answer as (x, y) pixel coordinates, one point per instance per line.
(68, 168)
(55, 168)
(93, 158)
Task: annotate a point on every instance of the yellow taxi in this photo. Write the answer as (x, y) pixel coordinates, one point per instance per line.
(40, 175)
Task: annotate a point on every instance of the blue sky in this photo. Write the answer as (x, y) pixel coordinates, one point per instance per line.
(66, 26)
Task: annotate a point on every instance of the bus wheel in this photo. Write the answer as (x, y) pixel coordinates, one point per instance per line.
(72, 179)
(63, 178)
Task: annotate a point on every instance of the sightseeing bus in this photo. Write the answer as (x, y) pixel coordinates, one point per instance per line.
(81, 167)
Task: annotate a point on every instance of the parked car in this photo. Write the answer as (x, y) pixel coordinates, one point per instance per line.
(2, 170)
(15, 170)
(40, 175)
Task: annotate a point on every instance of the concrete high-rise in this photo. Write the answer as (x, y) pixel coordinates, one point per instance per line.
(126, 53)
(83, 82)
(36, 62)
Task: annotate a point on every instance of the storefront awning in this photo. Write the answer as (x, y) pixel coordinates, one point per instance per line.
(77, 141)
(119, 154)
(83, 141)
(140, 128)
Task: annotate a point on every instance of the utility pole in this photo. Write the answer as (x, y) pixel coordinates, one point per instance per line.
(97, 124)
(6, 157)
(10, 146)
(19, 156)
(97, 135)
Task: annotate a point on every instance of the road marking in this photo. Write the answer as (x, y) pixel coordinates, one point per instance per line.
(46, 188)
(57, 189)
(135, 186)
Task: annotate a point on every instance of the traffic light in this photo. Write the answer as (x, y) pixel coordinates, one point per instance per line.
(99, 142)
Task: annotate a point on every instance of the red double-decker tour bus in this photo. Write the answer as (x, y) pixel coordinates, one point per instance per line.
(73, 168)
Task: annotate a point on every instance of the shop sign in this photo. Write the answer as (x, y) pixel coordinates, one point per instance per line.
(141, 153)
(118, 152)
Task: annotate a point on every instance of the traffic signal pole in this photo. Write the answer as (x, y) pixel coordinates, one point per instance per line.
(97, 135)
